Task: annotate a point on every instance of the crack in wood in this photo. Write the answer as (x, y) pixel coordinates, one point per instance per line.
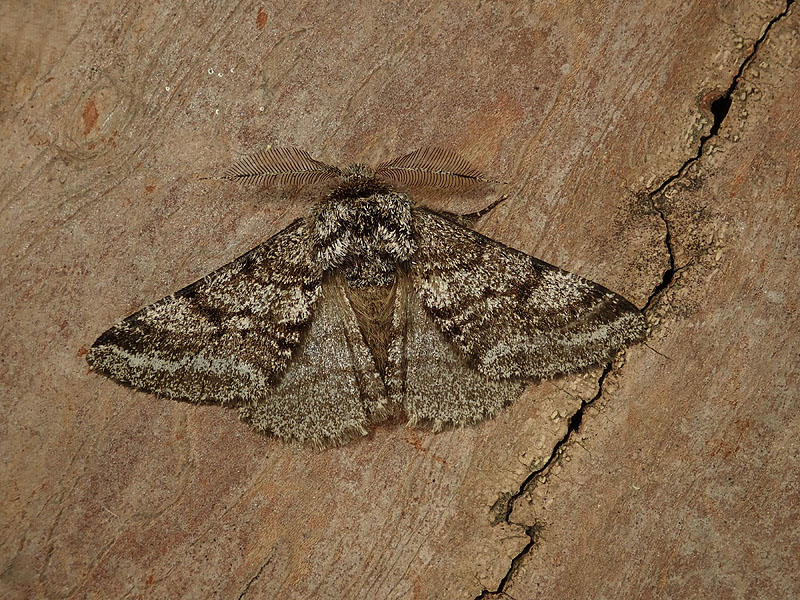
(532, 531)
(719, 108)
(254, 578)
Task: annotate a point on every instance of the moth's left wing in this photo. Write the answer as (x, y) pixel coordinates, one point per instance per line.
(512, 316)
(431, 379)
(224, 339)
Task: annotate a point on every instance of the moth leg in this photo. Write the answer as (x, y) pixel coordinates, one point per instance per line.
(469, 219)
(474, 216)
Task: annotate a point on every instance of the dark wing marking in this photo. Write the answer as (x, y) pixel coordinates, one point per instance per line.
(331, 390)
(290, 166)
(434, 167)
(430, 377)
(509, 314)
(224, 339)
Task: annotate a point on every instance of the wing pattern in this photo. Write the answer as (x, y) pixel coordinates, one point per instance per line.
(225, 338)
(331, 390)
(430, 378)
(510, 315)
(449, 335)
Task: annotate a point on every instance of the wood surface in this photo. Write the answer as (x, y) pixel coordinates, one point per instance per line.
(673, 474)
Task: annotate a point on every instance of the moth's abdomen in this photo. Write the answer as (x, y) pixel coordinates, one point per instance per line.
(364, 237)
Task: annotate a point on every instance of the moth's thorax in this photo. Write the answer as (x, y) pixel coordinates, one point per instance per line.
(363, 228)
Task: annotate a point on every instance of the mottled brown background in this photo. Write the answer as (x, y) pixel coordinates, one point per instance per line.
(681, 480)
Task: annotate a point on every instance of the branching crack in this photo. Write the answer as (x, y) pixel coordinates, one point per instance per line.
(719, 108)
(669, 273)
(532, 531)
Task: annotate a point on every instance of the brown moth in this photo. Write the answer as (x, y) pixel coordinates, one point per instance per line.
(368, 307)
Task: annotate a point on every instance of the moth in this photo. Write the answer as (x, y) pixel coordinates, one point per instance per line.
(369, 307)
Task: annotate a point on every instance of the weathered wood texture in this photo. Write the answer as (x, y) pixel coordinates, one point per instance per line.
(682, 479)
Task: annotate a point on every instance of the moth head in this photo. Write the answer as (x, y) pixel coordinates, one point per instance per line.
(357, 172)
(358, 181)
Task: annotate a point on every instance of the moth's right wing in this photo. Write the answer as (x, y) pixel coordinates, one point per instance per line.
(225, 338)
(331, 390)
(263, 333)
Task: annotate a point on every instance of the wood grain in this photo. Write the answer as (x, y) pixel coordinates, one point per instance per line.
(681, 476)
(691, 485)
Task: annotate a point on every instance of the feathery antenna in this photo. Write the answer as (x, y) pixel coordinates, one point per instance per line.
(290, 166)
(431, 167)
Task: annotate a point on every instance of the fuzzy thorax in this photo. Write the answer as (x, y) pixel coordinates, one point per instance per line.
(364, 228)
